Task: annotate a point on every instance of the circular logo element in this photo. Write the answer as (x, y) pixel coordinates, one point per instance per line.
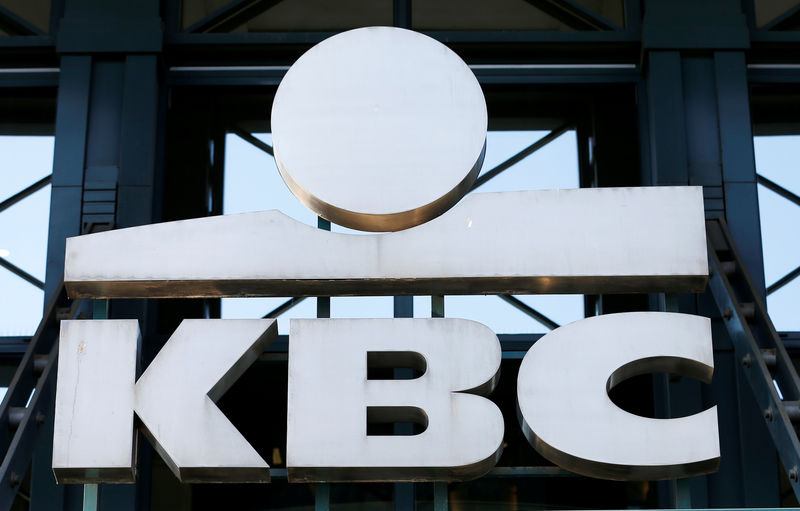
(379, 128)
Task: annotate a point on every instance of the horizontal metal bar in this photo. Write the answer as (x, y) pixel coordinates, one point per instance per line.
(486, 74)
(483, 178)
(27, 41)
(474, 67)
(445, 36)
(30, 190)
(530, 311)
(774, 75)
(24, 70)
(773, 66)
(220, 69)
(576, 67)
(788, 37)
(546, 471)
(19, 272)
(775, 187)
(496, 472)
(513, 344)
(784, 280)
(13, 345)
(791, 341)
(248, 137)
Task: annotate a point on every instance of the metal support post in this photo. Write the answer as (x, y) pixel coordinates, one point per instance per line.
(404, 493)
(440, 495)
(91, 492)
(322, 491)
(322, 497)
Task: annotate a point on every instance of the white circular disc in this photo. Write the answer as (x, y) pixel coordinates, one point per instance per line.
(379, 128)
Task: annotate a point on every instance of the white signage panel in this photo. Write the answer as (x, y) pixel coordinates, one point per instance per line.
(93, 432)
(566, 412)
(542, 241)
(330, 398)
(408, 126)
(96, 397)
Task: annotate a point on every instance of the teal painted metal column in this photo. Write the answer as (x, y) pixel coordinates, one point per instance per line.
(440, 490)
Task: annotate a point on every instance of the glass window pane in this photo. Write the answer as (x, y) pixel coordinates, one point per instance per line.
(23, 231)
(780, 219)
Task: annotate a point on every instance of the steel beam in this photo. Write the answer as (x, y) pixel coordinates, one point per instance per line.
(248, 137)
(19, 272)
(784, 280)
(530, 311)
(285, 306)
(775, 187)
(574, 15)
(513, 160)
(231, 15)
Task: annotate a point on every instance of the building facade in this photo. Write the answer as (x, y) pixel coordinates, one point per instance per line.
(142, 96)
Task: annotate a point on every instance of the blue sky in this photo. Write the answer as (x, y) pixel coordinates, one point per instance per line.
(253, 183)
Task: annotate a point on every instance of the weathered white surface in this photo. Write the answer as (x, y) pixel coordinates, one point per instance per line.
(174, 399)
(176, 394)
(329, 394)
(93, 432)
(551, 241)
(379, 128)
(568, 417)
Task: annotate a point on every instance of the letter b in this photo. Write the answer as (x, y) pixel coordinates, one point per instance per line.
(332, 399)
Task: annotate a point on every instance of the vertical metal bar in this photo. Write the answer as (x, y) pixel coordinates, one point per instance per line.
(91, 497)
(440, 497)
(667, 490)
(440, 502)
(322, 497)
(667, 123)
(683, 494)
(100, 309)
(322, 494)
(66, 194)
(323, 302)
(633, 16)
(682, 487)
(437, 306)
(402, 14)
(91, 492)
(404, 493)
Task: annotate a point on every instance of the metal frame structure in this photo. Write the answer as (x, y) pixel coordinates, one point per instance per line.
(140, 109)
